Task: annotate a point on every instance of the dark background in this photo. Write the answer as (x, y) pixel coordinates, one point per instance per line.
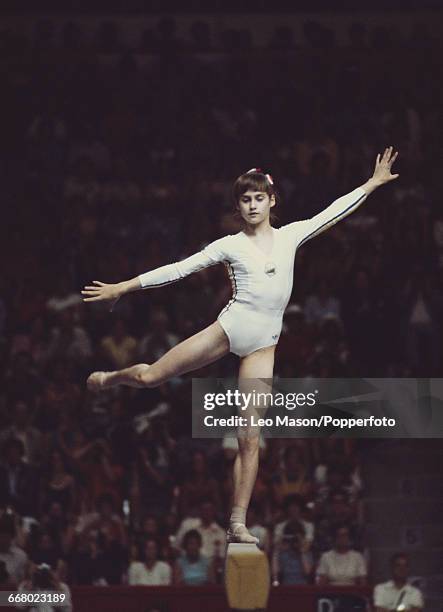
(225, 6)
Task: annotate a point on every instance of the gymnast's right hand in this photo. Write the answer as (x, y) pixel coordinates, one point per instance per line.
(102, 292)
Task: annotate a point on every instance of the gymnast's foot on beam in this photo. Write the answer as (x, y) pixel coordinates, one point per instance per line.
(238, 533)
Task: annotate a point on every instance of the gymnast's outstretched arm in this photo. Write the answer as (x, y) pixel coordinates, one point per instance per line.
(209, 256)
(345, 205)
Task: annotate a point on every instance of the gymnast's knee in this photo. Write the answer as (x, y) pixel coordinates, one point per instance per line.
(249, 443)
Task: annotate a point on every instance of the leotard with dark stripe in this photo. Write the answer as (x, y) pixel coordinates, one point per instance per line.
(261, 283)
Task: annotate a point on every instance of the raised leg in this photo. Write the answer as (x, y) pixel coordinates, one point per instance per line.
(195, 352)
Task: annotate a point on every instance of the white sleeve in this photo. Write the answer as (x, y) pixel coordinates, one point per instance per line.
(166, 574)
(339, 209)
(379, 601)
(323, 566)
(209, 256)
(361, 565)
(416, 598)
(133, 574)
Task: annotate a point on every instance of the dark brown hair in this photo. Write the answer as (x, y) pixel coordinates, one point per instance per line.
(254, 181)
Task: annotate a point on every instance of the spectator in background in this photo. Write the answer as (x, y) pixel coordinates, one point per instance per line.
(43, 549)
(423, 303)
(336, 510)
(6, 584)
(120, 432)
(341, 566)
(192, 568)
(44, 578)
(150, 529)
(19, 482)
(104, 520)
(63, 393)
(331, 347)
(315, 141)
(78, 449)
(21, 378)
(362, 318)
(338, 456)
(69, 340)
(14, 558)
(59, 483)
(108, 530)
(321, 304)
(198, 486)
(159, 339)
(35, 340)
(294, 506)
(397, 594)
(318, 186)
(296, 343)
(152, 474)
(294, 562)
(293, 477)
(150, 570)
(336, 479)
(58, 523)
(105, 476)
(87, 561)
(119, 348)
(21, 429)
(211, 532)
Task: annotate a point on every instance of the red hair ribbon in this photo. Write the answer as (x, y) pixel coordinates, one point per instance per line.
(268, 176)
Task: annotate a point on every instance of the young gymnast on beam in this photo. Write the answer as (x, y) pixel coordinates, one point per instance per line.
(260, 261)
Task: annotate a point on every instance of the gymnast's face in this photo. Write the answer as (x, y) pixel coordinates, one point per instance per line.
(255, 206)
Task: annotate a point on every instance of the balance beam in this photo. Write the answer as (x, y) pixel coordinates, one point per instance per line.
(247, 578)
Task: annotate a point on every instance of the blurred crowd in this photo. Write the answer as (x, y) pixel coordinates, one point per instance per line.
(149, 507)
(110, 169)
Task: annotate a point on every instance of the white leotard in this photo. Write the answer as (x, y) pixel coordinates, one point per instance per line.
(261, 284)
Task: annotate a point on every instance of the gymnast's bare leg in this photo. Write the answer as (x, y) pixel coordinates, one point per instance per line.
(195, 352)
(257, 365)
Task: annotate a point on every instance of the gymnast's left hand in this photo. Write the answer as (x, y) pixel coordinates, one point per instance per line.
(383, 164)
(102, 292)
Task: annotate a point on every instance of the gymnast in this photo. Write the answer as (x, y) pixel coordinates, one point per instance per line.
(260, 263)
